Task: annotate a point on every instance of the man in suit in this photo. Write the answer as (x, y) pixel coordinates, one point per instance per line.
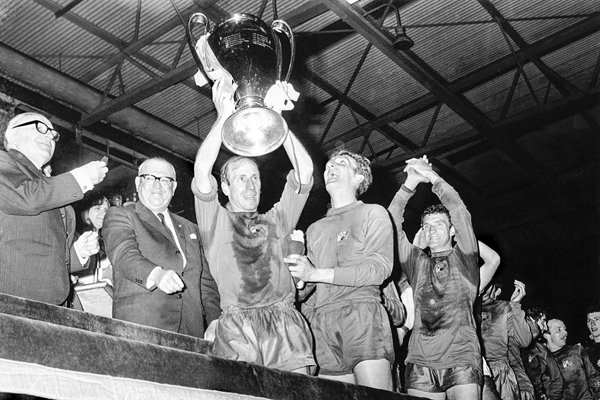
(36, 239)
(161, 278)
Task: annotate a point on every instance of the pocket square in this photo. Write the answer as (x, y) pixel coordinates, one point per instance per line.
(193, 236)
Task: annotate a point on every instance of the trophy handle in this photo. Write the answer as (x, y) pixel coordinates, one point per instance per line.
(197, 18)
(282, 27)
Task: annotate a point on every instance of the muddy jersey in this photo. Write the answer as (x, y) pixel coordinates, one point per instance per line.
(445, 286)
(355, 240)
(582, 381)
(543, 371)
(245, 250)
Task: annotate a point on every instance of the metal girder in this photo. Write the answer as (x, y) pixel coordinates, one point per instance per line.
(141, 92)
(425, 75)
(488, 72)
(565, 87)
(389, 132)
(121, 44)
(516, 125)
(136, 46)
(174, 76)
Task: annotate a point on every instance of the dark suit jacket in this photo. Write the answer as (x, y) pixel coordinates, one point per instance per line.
(36, 230)
(136, 242)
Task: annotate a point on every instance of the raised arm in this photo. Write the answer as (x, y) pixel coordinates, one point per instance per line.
(299, 157)
(491, 261)
(208, 152)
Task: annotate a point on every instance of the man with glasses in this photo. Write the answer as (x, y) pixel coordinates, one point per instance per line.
(161, 278)
(36, 245)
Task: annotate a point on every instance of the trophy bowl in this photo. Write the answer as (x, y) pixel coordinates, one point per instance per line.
(251, 52)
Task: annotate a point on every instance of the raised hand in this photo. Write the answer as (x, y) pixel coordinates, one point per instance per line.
(223, 92)
(87, 244)
(519, 292)
(95, 170)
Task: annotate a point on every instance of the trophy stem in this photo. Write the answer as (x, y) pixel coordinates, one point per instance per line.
(249, 101)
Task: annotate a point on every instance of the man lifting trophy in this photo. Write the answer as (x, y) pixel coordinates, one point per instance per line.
(251, 53)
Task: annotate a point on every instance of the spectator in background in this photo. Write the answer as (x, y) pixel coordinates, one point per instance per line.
(37, 248)
(582, 381)
(515, 361)
(93, 211)
(540, 365)
(502, 321)
(160, 275)
(592, 346)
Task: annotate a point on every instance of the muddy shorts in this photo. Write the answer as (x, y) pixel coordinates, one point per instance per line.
(349, 332)
(275, 336)
(440, 380)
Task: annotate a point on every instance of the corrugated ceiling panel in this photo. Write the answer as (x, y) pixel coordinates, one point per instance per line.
(450, 50)
(491, 96)
(318, 23)
(414, 128)
(533, 30)
(382, 85)
(166, 47)
(253, 6)
(33, 30)
(378, 142)
(576, 62)
(177, 105)
(309, 89)
(336, 65)
(344, 121)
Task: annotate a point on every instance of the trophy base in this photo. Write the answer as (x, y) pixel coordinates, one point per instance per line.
(254, 131)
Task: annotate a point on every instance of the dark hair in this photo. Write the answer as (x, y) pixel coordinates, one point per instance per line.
(89, 201)
(435, 209)
(593, 309)
(363, 167)
(535, 313)
(231, 164)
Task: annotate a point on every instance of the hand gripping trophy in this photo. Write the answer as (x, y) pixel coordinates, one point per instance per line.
(250, 51)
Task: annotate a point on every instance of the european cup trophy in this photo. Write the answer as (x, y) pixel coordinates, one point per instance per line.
(251, 52)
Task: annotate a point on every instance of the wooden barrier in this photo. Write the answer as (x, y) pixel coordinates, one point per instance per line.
(59, 353)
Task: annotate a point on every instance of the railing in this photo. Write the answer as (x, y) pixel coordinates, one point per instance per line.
(59, 353)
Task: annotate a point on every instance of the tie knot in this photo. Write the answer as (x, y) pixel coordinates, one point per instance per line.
(161, 216)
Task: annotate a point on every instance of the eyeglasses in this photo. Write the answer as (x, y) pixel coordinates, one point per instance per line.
(41, 128)
(149, 178)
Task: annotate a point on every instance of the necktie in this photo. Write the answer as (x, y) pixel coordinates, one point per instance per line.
(162, 219)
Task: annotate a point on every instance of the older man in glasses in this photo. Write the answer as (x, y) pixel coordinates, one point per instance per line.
(161, 278)
(37, 224)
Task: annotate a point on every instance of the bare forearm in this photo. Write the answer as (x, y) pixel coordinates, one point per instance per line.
(299, 158)
(207, 155)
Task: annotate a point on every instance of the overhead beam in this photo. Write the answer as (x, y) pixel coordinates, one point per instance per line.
(395, 137)
(23, 69)
(115, 41)
(135, 46)
(515, 125)
(139, 93)
(425, 75)
(587, 27)
(565, 87)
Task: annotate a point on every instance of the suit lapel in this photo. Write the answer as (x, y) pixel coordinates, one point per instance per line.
(151, 218)
(29, 169)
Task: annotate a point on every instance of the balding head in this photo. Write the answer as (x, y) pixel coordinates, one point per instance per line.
(24, 137)
(556, 337)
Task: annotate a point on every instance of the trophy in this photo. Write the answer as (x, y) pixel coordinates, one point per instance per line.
(251, 51)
